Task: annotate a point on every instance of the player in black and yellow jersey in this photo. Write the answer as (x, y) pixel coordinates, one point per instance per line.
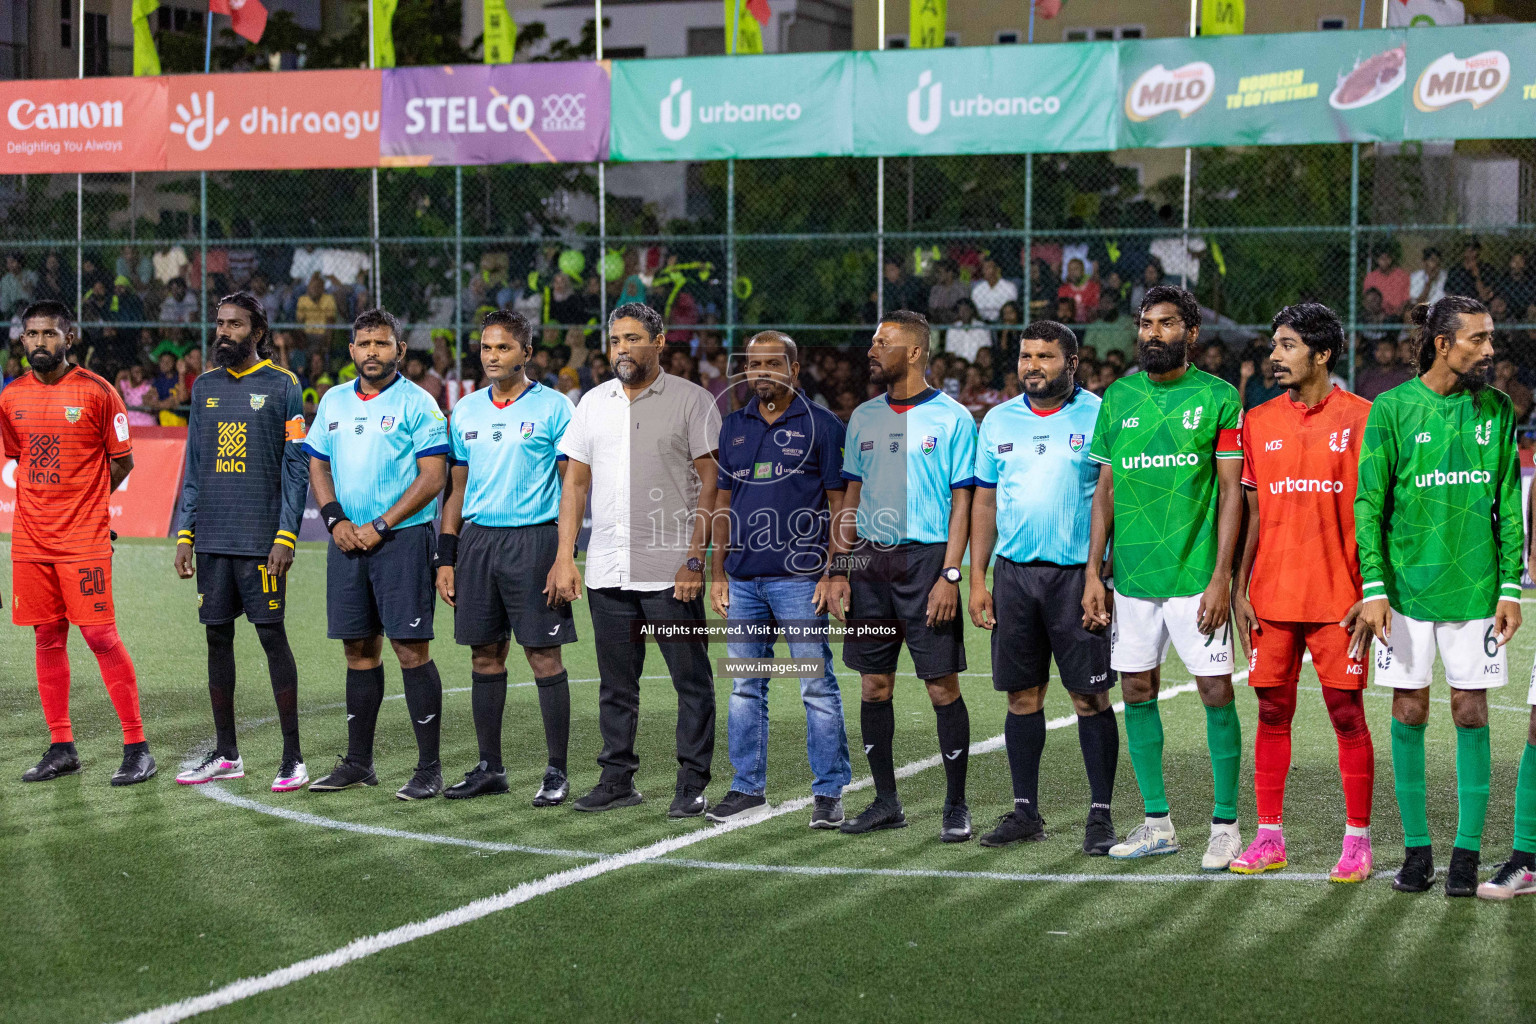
(241, 502)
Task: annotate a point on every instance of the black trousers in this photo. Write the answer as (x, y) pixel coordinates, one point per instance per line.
(616, 615)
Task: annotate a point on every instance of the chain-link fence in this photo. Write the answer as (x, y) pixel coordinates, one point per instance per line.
(815, 247)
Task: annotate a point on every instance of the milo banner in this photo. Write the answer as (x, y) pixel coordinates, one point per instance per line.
(986, 99)
(1263, 90)
(495, 114)
(1471, 83)
(708, 108)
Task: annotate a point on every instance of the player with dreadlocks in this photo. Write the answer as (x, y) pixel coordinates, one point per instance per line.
(238, 520)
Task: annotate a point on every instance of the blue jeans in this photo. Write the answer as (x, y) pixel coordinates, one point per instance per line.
(786, 599)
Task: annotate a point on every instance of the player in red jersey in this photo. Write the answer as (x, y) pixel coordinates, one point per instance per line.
(68, 432)
(1298, 585)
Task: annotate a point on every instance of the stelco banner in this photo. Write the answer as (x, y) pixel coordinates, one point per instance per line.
(495, 114)
(985, 99)
(1318, 87)
(1263, 90)
(706, 108)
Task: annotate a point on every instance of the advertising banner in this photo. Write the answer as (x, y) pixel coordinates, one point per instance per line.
(707, 108)
(268, 121)
(1263, 90)
(142, 506)
(984, 99)
(1477, 82)
(495, 114)
(91, 125)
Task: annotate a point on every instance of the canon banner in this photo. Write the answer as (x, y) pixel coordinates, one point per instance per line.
(707, 108)
(284, 120)
(984, 99)
(495, 114)
(82, 126)
(1263, 90)
(1477, 82)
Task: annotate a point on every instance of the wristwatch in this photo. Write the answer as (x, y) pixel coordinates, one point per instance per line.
(952, 574)
(695, 565)
(380, 527)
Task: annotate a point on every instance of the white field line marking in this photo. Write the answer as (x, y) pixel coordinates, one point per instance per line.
(369, 945)
(216, 792)
(992, 876)
(222, 795)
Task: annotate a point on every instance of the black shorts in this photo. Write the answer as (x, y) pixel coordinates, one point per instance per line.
(498, 587)
(231, 585)
(894, 583)
(1039, 610)
(387, 590)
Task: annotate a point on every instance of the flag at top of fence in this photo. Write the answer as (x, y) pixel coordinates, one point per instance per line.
(247, 17)
(744, 23)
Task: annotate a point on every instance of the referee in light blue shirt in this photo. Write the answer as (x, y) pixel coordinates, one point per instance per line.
(498, 544)
(378, 460)
(908, 459)
(1034, 495)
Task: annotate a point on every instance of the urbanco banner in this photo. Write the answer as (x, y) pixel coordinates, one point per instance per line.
(1263, 90)
(495, 114)
(986, 99)
(709, 108)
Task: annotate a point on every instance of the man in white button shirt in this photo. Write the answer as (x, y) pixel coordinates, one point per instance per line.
(992, 291)
(644, 444)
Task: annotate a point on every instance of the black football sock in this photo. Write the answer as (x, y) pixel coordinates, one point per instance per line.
(487, 701)
(555, 709)
(1024, 736)
(365, 693)
(954, 723)
(877, 722)
(1099, 736)
(221, 687)
(285, 684)
(424, 698)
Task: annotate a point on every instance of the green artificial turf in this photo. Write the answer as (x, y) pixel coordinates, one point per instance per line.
(119, 901)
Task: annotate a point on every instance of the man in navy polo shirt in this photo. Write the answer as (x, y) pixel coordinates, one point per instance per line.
(781, 461)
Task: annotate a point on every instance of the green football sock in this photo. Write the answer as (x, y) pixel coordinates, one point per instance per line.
(1224, 737)
(1473, 768)
(1525, 802)
(1144, 737)
(1408, 782)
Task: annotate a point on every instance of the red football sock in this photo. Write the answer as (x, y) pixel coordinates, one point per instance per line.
(53, 679)
(1272, 750)
(1357, 759)
(117, 672)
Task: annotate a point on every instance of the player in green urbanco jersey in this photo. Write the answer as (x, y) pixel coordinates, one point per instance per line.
(1437, 519)
(1170, 496)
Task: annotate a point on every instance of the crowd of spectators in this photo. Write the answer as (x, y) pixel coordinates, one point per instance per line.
(140, 311)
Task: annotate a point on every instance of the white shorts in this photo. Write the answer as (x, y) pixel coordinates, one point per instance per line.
(1530, 695)
(1469, 653)
(1142, 629)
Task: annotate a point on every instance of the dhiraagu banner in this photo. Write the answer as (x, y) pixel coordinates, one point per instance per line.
(1263, 90)
(708, 108)
(986, 99)
(1471, 83)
